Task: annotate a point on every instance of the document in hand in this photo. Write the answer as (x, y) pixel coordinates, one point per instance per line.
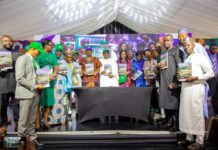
(90, 69)
(149, 72)
(78, 69)
(164, 59)
(122, 68)
(184, 71)
(42, 76)
(108, 69)
(62, 67)
(137, 74)
(6, 60)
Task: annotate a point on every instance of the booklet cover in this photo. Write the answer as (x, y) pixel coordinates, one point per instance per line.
(78, 69)
(184, 71)
(164, 59)
(137, 74)
(122, 68)
(108, 69)
(90, 69)
(62, 67)
(149, 72)
(6, 60)
(42, 76)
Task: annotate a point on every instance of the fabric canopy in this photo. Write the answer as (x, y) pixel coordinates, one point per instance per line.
(24, 18)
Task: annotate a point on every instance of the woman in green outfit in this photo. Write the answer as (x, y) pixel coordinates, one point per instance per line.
(47, 99)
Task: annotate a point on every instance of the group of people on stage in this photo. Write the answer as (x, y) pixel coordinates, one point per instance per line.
(181, 104)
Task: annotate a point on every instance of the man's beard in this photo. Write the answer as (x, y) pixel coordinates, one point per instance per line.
(188, 51)
(167, 47)
(8, 46)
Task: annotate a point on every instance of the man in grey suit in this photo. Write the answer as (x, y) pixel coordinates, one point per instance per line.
(7, 79)
(26, 92)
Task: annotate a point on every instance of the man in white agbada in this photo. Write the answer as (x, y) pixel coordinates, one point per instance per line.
(198, 48)
(109, 71)
(191, 115)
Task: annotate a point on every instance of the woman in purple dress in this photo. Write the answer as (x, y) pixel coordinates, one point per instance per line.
(128, 70)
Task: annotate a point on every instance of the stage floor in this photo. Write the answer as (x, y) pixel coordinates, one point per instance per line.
(94, 135)
(124, 123)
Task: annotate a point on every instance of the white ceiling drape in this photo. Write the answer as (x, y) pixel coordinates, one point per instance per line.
(24, 18)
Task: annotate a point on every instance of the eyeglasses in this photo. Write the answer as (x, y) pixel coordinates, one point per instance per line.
(213, 48)
(50, 44)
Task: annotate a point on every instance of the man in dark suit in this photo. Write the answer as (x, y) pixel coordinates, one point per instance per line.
(169, 92)
(213, 82)
(7, 79)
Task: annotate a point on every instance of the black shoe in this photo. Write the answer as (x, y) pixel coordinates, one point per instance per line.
(46, 127)
(167, 126)
(196, 146)
(6, 123)
(16, 128)
(162, 121)
(184, 143)
(38, 129)
(22, 143)
(174, 129)
(1, 143)
(22, 140)
(37, 143)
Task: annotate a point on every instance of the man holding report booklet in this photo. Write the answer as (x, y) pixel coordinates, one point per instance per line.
(26, 78)
(193, 73)
(8, 57)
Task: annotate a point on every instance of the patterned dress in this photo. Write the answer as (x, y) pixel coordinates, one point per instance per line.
(138, 65)
(90, 80)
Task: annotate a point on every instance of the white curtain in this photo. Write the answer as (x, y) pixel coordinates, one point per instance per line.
(24, 18)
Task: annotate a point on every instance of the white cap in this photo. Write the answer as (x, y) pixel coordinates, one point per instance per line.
(183, 30)
(187, 40)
